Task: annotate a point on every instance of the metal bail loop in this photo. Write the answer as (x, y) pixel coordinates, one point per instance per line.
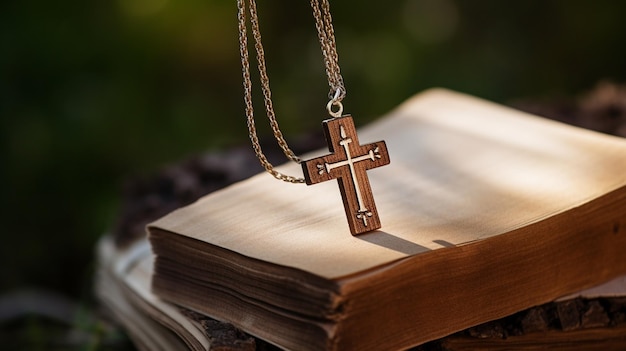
(339, 111)
(336, 101)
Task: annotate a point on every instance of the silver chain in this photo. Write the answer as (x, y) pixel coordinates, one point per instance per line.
(326, 35)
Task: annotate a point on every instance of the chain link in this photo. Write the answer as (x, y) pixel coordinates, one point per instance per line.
(247, 85)
(326, 35)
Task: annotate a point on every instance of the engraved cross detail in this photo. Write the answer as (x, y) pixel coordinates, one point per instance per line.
(348, 163)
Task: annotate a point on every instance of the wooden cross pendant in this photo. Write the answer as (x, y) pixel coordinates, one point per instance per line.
(348, 163)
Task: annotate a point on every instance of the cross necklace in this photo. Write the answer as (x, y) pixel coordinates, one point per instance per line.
(348, 160)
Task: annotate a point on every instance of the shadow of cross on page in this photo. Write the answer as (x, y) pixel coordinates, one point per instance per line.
(393, 242)
(348, 163)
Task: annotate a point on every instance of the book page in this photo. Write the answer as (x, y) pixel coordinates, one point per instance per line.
(462, 169)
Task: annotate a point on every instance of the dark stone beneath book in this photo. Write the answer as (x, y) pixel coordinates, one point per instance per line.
(147, 199)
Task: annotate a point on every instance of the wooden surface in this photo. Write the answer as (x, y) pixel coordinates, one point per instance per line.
(348, 163)
(595, 339)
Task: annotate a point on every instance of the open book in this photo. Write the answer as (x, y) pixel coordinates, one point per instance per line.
(485, 211)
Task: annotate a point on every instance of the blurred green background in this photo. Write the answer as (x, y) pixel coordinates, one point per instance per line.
(94, 91)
